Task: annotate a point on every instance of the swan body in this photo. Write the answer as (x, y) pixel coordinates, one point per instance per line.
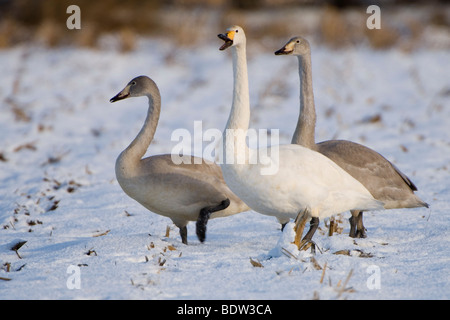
(304, 179)
(181, 192)
(383, 180)
(314, 182)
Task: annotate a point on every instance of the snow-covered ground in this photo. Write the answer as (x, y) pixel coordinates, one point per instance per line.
(85, 239)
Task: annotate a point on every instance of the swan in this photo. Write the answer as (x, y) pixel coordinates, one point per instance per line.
(384, 180)
(305, 182)
(182, 192)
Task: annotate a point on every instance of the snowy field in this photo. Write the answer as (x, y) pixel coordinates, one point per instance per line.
(85, 239)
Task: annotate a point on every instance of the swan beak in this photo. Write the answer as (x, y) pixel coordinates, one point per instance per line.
(228, 38)
(283, 51)
(287, 49)
(120, 96)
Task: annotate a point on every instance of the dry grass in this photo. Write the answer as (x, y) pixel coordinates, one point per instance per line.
(87, 36)
(323, 273)
(8, 29)
(300, 223)
(91, 252)
(17, 246)
(354, 253)
(383, 38)
(167, 235)
(343, 288)
(256, 263)
(333, 28)
(50, 33)
(188, 22)
(334, 225)
(101, 234)
(127, 40)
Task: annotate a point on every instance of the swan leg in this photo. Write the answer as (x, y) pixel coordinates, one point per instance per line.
(307, 239)
(283, 222)
(313, 225)
(182, 226)
(183, 234)
(357, 229)
(204, 215)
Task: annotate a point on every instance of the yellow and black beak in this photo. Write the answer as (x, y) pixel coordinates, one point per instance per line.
(228, 38)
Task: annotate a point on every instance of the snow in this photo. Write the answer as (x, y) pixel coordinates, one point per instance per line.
(85, 239)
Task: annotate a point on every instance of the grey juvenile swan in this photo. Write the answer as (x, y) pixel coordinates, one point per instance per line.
(384, 180)
(182, 192)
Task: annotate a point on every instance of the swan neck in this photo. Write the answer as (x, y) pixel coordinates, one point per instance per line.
(238, 121)
(240, 110)
(305, 130)
(138, 147)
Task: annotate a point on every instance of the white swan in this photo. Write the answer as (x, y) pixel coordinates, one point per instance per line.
(384, 181)
(182, 192)
(305, 181)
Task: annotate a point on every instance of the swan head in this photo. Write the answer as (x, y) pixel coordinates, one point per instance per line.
(296, 46)
(233, 36)
(137, 87)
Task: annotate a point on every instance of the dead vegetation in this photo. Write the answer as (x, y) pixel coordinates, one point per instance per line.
(17, 246)
(155, 264)
(101, 234)
(354, 253)
(7, 267)
(311, 263)
(333, 224)
(159, 253)
(30, 211)
(91, 252)
(334, 26)
(340, 288)
(256, 263)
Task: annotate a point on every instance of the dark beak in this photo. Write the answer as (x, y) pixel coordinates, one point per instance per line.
(119, 96)
(282, 51)
(228, 42)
